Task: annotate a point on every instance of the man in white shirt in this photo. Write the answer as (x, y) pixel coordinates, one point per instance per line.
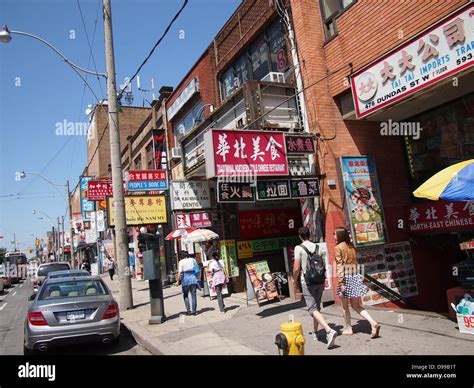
(312, 293)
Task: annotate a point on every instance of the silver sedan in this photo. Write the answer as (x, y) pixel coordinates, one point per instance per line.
(71, 310)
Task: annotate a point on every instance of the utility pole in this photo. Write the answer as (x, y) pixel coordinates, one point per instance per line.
(14, 241)
(63, 239)
(58, 240)
(125, 284)
(71, 224)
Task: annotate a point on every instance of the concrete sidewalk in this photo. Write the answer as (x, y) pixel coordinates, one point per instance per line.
(251, 330)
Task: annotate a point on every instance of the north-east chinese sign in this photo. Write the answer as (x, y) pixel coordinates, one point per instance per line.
(99, 190)
(146, 180)
(190, 195)
(269, 223)
(304, 188)
(274, 189)
(237, 153)
(299, 144)
(441, 216)
(194, 220)
(231, 192)
(441, 51)
(140, 210)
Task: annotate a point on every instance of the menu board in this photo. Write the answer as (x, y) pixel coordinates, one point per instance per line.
(391, 265)
(212, 290)
(261, 278)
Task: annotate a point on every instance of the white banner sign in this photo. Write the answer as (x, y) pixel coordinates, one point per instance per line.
(100, 221)
(189, 195)
(440, 51)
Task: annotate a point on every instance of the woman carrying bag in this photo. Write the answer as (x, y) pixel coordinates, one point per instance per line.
(189, 280)
(219, 277)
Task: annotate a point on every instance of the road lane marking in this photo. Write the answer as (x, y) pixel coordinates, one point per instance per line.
(1, 308)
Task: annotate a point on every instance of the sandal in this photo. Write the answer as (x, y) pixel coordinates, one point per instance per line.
(375, 331)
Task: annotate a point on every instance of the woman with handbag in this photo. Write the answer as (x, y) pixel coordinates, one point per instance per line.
(219, 277)
(189, 280)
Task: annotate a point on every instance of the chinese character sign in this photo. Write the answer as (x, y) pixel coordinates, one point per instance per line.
(86, 206)
(304, 188)
(237, 153)
(269, 223)
(443, 50)
(439, 216)
(195, 220)
(140, 210)
(299, 144)
(146, 180)
(363, 200)
(273, 190)
(158, 148)
(99, 190)
(235, 192)
(190, 195)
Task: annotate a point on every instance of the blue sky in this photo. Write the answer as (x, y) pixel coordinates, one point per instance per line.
(38, 90)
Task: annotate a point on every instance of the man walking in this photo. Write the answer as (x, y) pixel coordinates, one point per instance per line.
(312, 293)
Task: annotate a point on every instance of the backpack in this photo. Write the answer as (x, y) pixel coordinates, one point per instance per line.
(315, 271)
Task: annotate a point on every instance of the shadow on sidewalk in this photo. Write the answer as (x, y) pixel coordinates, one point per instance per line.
(279, 309)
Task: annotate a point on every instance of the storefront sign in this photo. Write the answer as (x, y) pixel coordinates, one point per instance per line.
(194, 220)
(439, 52)
(363, 200)
(86, 206)
(191, 88)
(269, 223)
(246, 249)
(237, 153)
(99, 190)
(229, 256)
(304, 188)
(158, 149)
(146, 180)
(299, 144)
(441, 216)
(190, 195)
(177, 172)
(262, 281)
(275, 189)
(232, 192)
(299, 166)
(466, 245)
(140, 210)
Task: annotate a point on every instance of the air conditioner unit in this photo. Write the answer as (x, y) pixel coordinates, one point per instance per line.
(274, 77)
(176, 153)
(239, 122)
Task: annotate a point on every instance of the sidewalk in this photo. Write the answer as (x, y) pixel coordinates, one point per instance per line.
(251, 330)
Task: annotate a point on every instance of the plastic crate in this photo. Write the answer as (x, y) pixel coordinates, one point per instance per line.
(466, 323)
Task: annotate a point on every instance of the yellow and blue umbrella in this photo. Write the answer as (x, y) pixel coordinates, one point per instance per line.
(454, 183)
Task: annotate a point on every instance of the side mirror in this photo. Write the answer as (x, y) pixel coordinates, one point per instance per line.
(32, 297)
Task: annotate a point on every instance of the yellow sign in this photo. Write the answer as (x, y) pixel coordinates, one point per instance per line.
(244, 249)
(140, 210)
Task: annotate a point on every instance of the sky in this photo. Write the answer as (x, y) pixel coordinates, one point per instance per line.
(39, 92)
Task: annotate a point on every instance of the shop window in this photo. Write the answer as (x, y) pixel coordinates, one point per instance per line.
(186, 124)
(259, 58)
(330, 10)
(137, 163)
(276, 42)
(446, 138)
(242, 70)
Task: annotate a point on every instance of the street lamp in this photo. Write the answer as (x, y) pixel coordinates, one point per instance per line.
(121, 238)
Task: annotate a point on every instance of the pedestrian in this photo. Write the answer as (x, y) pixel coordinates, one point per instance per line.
(312, 293)
(111, 266)
(350, 287)
(189, 281)
(219, 277)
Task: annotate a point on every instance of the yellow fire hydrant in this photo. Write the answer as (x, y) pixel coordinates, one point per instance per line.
(291, 339)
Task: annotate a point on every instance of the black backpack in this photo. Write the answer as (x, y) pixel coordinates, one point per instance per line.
(315, 270)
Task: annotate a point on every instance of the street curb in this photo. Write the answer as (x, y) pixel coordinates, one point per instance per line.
(142, 341)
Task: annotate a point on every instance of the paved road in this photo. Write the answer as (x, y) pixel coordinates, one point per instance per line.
(13, 308)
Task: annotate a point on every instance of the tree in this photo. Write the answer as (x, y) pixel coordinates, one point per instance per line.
(2, 254)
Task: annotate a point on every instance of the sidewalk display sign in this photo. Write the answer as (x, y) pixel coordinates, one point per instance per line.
(140, 210)
(146, 180)
(441, 51)
(441, 216)
(299, 144)
(190, 195)
(229, 256)
(260, 278)
(244, 153)
(363, 202)
(273, 189)
(391, 265)
(86, 206)
(99, 190)
(195, 220)
(234, 192)
(211, 289)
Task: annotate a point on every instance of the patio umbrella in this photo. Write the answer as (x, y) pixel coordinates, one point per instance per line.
(179, 233)
(200, 235)
(454, 183)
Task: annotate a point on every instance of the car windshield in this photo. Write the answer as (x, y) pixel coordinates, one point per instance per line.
(68, 274)
(45, 269)
(72, 289)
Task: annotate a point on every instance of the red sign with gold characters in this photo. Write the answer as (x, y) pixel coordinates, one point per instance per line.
(238, 153)
(441, 216)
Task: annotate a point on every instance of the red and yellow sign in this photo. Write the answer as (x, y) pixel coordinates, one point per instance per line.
(141, 210)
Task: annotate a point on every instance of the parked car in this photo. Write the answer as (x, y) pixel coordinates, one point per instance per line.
(71, 310)
(2, 285)
(67, 274)
(4, 277)
(46, 268)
